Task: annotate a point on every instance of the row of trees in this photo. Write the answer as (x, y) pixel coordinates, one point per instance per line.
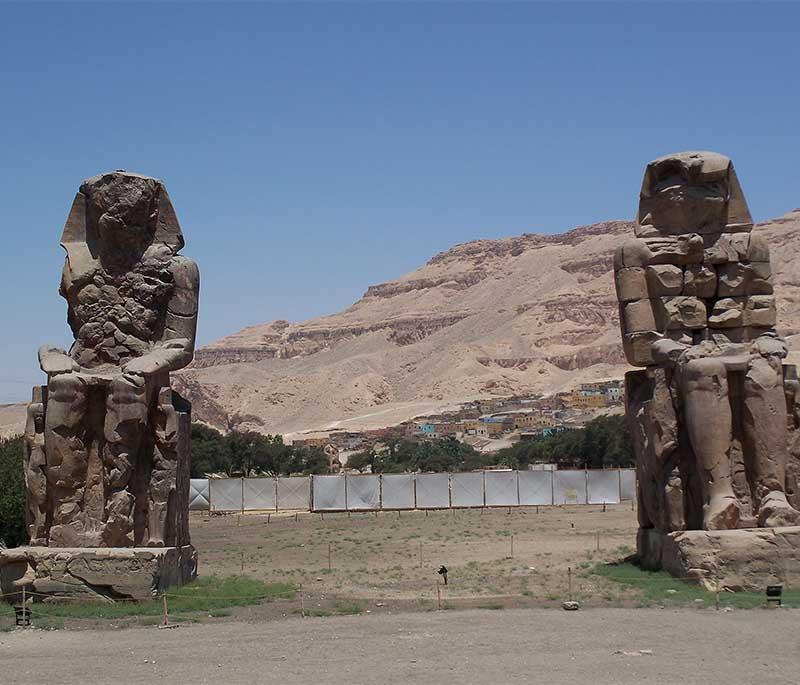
(237, 454)
(401, 455)
(604, 442)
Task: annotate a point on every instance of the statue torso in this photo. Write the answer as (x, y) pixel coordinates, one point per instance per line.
(116, 316)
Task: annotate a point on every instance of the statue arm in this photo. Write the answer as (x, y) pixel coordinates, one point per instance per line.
(176, 347)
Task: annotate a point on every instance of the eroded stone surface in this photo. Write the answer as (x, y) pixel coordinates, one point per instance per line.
(102, 574)
(748, 559)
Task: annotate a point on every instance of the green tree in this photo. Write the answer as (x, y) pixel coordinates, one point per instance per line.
(208, 451)
(12, 494)
(604, 442)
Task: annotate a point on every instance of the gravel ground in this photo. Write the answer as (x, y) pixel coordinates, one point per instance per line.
(513, 646)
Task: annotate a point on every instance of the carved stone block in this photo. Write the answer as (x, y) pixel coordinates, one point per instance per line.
(758, 249)
(727, 313)
(734, 279)
(664, 279)
(639, 316)
(631, 284)
(759, 311)
(100, 574)
(637, 347)
(760, 279)
(680, 312)
(700, 280)
(725, 247)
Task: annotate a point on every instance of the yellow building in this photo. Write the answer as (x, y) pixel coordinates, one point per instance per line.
(579, 401)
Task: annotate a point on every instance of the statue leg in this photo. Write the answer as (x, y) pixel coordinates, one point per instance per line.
(161, 529)
(124, 433)
(765, 433)
(709, 426)
(66, 457)
(35, 463)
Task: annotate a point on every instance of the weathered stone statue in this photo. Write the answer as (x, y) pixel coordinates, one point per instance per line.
(709, 412)
(107, 441)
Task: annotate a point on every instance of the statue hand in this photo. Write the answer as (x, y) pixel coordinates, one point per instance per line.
(667, 352)
(54, 361)
(146, 365)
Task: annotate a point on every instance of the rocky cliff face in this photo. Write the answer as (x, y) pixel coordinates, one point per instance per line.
(534, 313)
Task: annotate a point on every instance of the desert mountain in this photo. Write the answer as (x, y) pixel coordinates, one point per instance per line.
(535, 313)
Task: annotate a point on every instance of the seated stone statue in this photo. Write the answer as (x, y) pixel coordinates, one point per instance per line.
(709, 413)
(105, 439)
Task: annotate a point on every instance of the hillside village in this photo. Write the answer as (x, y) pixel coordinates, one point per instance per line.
(486, 425)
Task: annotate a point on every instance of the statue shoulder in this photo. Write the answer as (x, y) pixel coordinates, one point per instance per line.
(185, 272)
(634, 252)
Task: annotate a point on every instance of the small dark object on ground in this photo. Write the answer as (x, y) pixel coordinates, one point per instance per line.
(774, 593)
(22, 616)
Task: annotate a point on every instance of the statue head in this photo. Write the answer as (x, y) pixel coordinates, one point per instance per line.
(116, 217)
(121, 211)
(692, 192)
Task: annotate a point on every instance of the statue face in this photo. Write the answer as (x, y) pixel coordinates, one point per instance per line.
(124, 210)
(677, 205)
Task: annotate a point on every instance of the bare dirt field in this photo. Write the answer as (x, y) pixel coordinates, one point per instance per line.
(392, 558)
(515, 646)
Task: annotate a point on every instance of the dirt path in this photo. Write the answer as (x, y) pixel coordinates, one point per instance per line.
(512, 646)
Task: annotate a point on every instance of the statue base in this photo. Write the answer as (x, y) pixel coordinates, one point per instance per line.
(94, 573)
(743, 559)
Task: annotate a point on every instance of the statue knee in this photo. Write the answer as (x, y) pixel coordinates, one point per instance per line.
(65, 387)
(66, 401)
(705, 373)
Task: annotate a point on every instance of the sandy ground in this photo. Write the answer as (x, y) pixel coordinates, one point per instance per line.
(515, 646)
(394, 558)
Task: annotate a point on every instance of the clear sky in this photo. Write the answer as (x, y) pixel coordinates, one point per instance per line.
(313, 150)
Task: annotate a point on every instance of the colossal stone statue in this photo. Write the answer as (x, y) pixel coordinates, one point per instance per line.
(106, 443)
(709, 411)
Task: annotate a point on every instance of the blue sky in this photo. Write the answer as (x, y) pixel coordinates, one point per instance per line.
(313, 150)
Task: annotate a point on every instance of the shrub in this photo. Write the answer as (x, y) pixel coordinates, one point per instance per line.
(12, 494)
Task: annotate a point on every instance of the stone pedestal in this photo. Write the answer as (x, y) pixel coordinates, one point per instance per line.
(94, 573)
(744, 559)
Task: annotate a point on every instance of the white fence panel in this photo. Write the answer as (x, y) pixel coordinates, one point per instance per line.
(294, 492)
(466, 489)
(363, 492)
(226, 494)
(398, 491)
(433, 490)
(198, 494)
(329, 493)
(259, 493)
(603, 486)
(627, 484)
(569, 487)
(535, 488)
(501, 489)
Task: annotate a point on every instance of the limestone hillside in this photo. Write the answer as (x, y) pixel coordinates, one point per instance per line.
(536, 313)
